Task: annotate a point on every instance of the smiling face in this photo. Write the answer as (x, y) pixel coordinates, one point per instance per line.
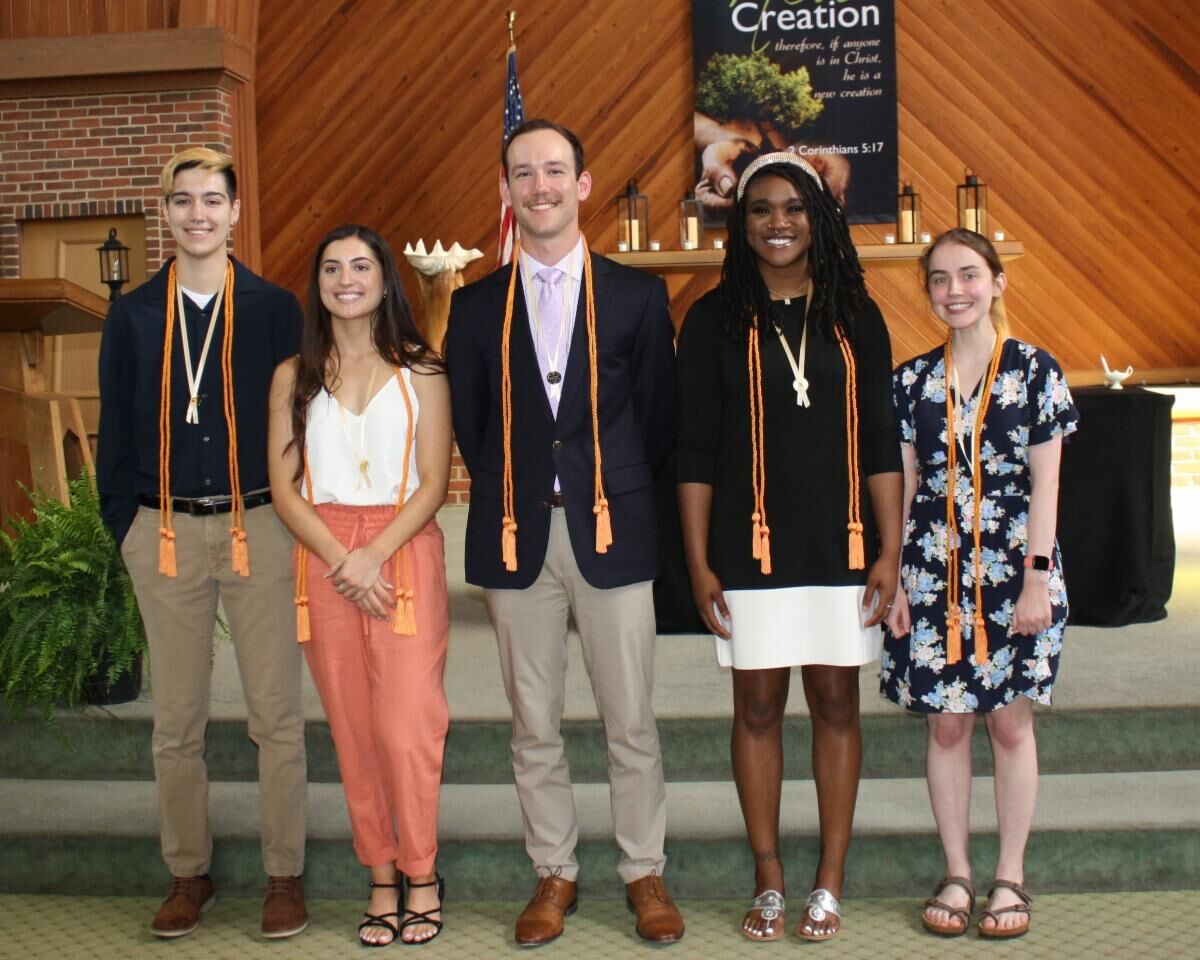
(961, 286)
(350, 280)
(777, 228)
(544, 189)
(200, 213)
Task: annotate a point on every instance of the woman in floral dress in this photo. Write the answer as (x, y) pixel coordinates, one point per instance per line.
(978, 624)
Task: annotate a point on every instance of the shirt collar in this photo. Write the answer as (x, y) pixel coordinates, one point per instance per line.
(571, 264)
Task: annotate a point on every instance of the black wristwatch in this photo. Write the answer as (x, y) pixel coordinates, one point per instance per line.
(1036, 561)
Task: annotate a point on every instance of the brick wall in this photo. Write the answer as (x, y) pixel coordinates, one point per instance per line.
(460, 481)
(99, 155)
(1185, 453)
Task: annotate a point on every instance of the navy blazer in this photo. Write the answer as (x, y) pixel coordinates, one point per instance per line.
(638, 421)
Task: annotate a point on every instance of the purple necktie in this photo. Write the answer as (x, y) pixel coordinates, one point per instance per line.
(550, 319)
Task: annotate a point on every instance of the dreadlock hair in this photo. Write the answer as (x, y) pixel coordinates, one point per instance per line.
(839, 290)
(981, 245)
(396, 336)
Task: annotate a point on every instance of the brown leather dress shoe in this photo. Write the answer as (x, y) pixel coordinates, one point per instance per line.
(542, 919)
(180, 913)
(283, 912)
(658, 918)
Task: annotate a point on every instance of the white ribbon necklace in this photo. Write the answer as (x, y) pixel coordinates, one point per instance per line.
(961, 427)
(360, 450)
(193, 376)
(799, 381)
(554, 375)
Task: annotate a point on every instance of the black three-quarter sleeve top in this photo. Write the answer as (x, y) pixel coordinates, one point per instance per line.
(807, 484)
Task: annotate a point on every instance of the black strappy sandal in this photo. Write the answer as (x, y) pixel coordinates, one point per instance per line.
(414, 919)
(381, 920)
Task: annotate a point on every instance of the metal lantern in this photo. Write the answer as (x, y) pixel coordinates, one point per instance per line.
(908, 214)
(633, 219)
(691, 223)
(972, 204)
(114, 264)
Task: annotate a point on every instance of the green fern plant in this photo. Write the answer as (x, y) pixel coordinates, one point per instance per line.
(66, 604)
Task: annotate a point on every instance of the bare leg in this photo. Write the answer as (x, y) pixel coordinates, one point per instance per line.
(832, 696)
(948, 771)
(384, 902)
(756, 748)
(1014, 751)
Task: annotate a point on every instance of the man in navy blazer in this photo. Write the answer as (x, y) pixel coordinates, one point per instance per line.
(559, 355)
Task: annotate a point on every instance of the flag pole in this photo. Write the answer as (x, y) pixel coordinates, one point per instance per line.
(512, 36)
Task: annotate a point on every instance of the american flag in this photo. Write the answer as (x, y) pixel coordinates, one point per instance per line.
(514, 116)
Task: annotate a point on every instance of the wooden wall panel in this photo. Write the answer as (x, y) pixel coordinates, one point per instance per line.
(1080, 115)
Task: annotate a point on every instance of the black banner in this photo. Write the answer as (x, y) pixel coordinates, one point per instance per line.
(815, 76)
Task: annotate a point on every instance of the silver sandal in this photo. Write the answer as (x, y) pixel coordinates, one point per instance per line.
(769, 906)
(819, 905)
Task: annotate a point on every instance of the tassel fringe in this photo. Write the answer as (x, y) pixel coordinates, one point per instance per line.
(508, 544)
(303, 629)
(241, 552)
(764, 549)
(166, 552)
(981, 641)
(604, 536)
(953, 637)
(858, 559)
(404, 618)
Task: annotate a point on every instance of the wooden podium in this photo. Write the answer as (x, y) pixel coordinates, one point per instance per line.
(43, 440)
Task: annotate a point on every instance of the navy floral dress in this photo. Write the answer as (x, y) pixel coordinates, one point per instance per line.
(1030, 404)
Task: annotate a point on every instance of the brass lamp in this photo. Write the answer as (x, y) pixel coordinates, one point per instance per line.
(633, 218)
(972, 204)
(114, 264)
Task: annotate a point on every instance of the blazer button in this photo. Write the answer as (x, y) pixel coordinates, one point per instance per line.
(544, 504)
(556, 445)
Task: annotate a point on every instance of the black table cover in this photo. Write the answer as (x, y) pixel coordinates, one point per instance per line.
(1114, 518)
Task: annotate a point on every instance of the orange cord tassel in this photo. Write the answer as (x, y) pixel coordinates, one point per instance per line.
(303, 629)
(981, 641)
(241, 553)
(858, 559)
(604, 537)
(166, 552)
(953, 637)
(404, 618)
(508, 544)
(756, 536)
(764, 549)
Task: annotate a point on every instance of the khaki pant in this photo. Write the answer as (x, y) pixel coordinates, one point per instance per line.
(179, 614)
(617, 629)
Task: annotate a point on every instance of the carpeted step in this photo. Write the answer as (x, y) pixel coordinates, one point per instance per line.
(1069, 741)
(1094, 832)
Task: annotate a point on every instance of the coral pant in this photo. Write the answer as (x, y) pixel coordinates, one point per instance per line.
(383, 695)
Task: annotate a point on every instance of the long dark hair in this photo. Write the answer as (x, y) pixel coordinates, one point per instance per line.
(839, 290)
(394, 332)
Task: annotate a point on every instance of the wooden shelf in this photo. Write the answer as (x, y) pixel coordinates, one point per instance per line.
(697, 261)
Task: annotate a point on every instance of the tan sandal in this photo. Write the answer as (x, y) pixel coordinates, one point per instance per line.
(997, 932)
(767, 906)
(820, 905)
(961, 914)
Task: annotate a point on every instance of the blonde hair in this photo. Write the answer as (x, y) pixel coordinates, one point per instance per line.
(199, 158)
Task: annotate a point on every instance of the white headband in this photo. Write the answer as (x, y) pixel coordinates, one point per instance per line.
(767, 159)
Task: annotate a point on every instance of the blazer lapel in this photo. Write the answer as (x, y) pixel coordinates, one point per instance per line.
(576, 387)
(524, 351)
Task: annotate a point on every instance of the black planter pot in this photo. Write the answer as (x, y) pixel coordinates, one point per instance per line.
(125, 687)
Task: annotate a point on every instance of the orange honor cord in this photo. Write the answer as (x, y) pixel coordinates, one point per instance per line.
(303, 629)
(508, 531)
(760, 544)
(404, 618)
(856, 551)
(953, 569)
(604, 536)
(166, 546)
(508, 534)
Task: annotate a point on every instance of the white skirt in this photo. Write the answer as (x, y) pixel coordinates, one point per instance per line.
(794, 626)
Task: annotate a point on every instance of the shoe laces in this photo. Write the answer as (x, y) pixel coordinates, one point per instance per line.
(655, 886)
(283, 885)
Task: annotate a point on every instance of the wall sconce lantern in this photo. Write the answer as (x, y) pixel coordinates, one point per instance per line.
(114, 264)
(908, 214)
(691, 223)
(633, 219)
(972, 204)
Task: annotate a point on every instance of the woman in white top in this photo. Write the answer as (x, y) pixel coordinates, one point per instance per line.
(360, 462)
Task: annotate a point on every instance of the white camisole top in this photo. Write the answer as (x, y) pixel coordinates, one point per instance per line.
(334, 437)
